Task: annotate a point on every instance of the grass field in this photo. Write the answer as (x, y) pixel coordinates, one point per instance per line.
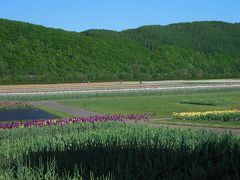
(111, 150)
(162, 105)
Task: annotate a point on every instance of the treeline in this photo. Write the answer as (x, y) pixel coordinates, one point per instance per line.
(35, 54)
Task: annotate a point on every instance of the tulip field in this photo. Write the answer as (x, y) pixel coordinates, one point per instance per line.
(120, 141)
(37, 94)
(117, 150)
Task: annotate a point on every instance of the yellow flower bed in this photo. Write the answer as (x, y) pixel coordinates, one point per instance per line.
(226, 115)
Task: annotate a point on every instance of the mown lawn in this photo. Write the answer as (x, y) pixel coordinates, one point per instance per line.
(162, 105)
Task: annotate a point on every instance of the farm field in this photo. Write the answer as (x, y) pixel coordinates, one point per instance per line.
(160, 97)
(68, 87)
(101, 144)
(162, 105)
(110, 150)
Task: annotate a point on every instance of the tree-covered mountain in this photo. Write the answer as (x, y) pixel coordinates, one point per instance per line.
(205, 37)
(32, 54)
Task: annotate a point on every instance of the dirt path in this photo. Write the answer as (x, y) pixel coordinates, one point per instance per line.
(66, 109)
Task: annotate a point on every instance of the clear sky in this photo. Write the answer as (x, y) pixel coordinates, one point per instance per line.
(79, 15)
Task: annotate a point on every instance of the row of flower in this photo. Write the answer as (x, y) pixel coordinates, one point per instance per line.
(98, 118)
(8, 105)
(226, 115)
(95, 93)
(118, 90)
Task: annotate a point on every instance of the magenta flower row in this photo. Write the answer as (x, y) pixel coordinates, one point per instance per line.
(98, 118)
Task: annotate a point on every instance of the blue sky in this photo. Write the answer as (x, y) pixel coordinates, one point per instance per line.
(79, 15)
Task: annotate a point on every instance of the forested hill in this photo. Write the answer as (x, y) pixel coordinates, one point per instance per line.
(32, 54)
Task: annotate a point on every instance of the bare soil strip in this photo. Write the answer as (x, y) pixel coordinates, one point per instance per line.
(66, 109)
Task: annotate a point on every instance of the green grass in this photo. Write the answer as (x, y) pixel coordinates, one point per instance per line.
(208, 102)
(162, 105)
(111, 149)
(54, 112)
(217, 124)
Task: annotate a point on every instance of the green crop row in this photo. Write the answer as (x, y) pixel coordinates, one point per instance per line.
(115, 150)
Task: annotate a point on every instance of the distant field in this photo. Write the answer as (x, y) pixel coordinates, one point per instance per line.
(114, 89)
(160, 97)
(29, 88)
(111, 149)
(162, 105)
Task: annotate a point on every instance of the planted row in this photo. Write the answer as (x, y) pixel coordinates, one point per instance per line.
(98, 118)
(9, 105)
(111, 93)
(226, 115)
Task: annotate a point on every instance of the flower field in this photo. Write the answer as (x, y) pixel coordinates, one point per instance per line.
(116, 150)
(49, 94)
(114, 146)
(8, 105)
(226, 115)
(92, 119)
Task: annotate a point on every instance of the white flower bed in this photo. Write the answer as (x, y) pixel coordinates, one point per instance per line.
(127, 90)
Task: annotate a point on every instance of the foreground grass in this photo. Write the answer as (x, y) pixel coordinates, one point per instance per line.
(117, 151)
(162, 105)
(216, 124)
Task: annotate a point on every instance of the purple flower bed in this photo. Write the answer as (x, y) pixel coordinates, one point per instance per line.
(98, 118)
